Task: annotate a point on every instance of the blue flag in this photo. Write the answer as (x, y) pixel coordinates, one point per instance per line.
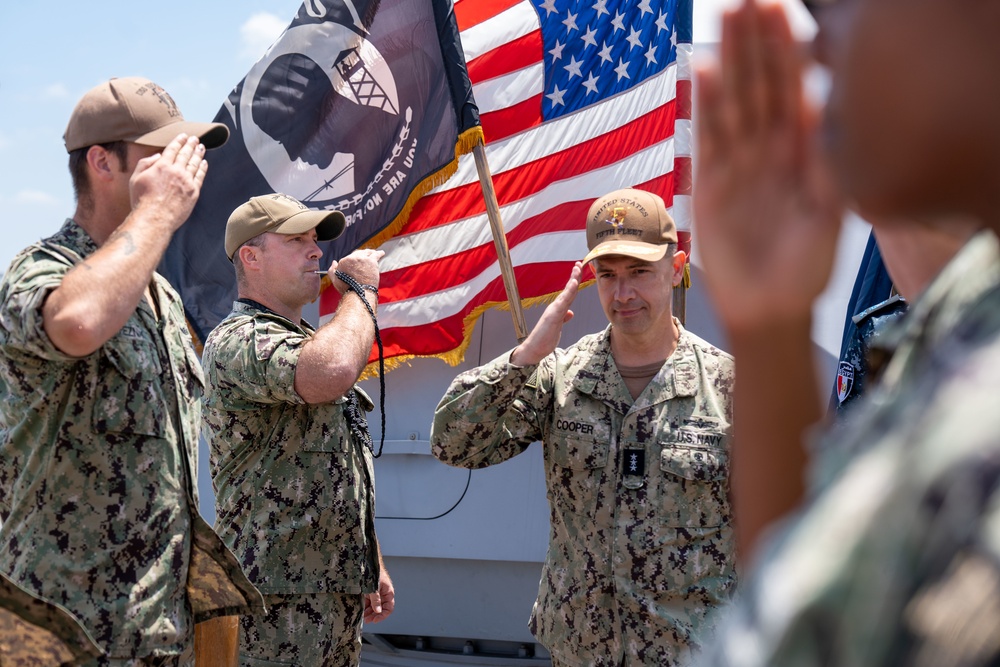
(360, 106)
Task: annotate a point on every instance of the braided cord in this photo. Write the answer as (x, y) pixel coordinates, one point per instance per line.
(359, 289)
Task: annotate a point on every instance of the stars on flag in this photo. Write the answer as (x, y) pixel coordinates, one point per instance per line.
(622, 70)
(650, 54)
(556, 96)
(605, 53)
(634, 38)
(595, 49)
(573, 68)
(661, 22)
(570, 23)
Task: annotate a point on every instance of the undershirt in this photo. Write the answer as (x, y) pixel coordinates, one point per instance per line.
(637, 377)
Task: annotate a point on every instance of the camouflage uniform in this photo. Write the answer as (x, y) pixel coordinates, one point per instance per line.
(639, 555)
(294, 482)
(97, 461)
(896, 558)
(319, 630)
(34, 632)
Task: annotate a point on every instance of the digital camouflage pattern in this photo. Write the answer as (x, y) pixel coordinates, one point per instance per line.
(187, 659)
(319, 630)
(294, 488)
(636, 560)
(896, 558)
(36, 633)
(97, 461)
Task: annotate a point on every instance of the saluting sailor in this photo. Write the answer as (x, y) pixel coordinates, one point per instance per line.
(635, 423)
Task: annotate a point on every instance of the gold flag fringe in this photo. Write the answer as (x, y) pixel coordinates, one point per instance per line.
(464, 144)
(196, 342)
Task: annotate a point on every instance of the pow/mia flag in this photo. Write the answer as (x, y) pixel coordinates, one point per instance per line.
(359, 106)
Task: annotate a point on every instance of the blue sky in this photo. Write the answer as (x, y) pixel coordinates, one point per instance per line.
(54, 52)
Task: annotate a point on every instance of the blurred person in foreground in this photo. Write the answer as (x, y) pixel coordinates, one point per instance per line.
(291, 453)
(99, 398)
(892, 555)
(636, 427)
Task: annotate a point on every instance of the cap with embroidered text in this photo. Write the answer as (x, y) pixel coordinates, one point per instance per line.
(629, 222)
(137, 110)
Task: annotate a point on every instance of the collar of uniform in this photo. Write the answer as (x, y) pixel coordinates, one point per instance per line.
(684, 363)
(244, 306)
(592, 376)
(75, 237)
(892, 303)
(678, 377)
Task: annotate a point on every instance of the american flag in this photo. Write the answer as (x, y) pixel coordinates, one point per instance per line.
(576, 99)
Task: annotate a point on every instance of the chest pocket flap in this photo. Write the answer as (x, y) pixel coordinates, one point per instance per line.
(694, 482)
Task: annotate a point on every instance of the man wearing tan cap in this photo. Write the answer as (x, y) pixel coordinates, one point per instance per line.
(99, 394)
(635, 424)
(291, 452)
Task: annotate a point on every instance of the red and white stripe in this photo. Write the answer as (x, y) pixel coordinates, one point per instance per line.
(442, 266)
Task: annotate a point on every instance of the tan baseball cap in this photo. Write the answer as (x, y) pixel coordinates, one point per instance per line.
(629, 222)
(136, 110)
(280, 214)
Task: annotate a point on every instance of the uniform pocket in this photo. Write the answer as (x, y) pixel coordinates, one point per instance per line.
(694, 485)
(577, 468)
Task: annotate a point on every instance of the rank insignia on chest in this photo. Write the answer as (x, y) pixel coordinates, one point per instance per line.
(634, 462)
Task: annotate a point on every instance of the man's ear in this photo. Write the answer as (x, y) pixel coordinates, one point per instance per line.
(680, 259)
(249, 256)
(102, 163)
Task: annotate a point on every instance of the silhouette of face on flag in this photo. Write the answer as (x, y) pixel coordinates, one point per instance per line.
(290, 104)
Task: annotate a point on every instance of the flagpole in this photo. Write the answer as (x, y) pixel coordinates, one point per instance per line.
(679, 300)
(500, 241)
(680, 303)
